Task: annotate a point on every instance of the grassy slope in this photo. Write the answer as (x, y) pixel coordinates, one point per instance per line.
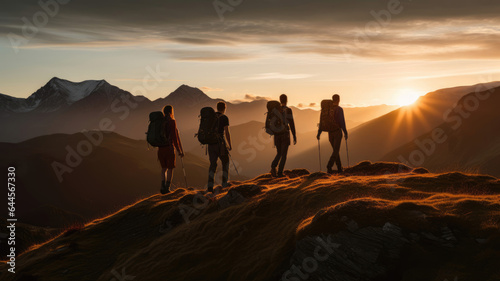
(251, 239)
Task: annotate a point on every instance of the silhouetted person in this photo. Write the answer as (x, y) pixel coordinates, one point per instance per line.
(335, 137)
(221, 149)
(166, 154)
(282, 141)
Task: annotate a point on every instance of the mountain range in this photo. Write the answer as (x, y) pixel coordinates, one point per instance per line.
(62, 106)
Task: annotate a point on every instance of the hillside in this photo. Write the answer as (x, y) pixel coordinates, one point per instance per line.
(469, 140)
(380, 221)
(114, 173)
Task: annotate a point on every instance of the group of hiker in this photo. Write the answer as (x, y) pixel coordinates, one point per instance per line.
(214, 133)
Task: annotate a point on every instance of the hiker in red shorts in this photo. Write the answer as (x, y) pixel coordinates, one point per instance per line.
(166, 154)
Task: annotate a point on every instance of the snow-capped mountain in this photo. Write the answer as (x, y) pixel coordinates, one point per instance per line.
(62, 106)
(56, 94)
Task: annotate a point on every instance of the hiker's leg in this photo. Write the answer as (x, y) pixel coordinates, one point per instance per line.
(285, 144)
(213, 154)
(163, 163)
(284, 153)
(170, 174)
(336, 149)
(333, 157)
(225, 169)
(163, 170)
(277, 143)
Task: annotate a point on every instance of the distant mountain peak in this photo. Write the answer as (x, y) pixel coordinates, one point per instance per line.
(185, 93)
(57, 93)
(75, 91)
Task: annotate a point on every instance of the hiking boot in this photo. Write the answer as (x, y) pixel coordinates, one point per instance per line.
(280, 175)
(210, 189)
(217, 190)
(226, 185)
(164, 189)
(273, 172)
(329, 170)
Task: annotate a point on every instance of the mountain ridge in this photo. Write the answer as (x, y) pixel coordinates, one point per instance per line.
(379, 221)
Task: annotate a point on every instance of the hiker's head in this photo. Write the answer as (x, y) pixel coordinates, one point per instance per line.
(168, 111)
(336, 99)
(283, 99)
(221, 107)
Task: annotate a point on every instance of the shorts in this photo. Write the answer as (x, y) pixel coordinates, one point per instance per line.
(166, 156)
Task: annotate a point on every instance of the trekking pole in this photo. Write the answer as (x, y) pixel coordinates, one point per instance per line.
(184, 170)
(347, 149)
(319, 153)
(230, 157)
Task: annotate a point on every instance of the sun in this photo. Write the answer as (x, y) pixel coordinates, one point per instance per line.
(407, 97)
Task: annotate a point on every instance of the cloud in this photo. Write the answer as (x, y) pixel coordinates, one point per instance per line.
(277, 76)
(338, 28)
(206, 55)
(250, 97)
(208, 89)
(301, 105)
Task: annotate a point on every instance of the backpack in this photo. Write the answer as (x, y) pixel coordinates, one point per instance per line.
(327, 120)
(275, 120)
(209, 121)
(156, 130)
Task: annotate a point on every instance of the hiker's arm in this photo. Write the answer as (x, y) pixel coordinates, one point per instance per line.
(342, 122)
(228, 137)
(176, 139)
(180, 148)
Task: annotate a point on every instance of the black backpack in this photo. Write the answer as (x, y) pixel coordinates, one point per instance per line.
(209, 123)
(275, 120)
(327, 120)
(156, 135)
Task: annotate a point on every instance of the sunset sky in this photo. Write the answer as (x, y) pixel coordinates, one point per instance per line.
(369, 52)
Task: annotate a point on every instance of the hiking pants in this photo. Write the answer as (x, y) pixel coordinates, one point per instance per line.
(215, 152)
(282, 142)
(335, 139)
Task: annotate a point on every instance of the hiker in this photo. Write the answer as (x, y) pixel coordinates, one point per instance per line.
(282, 139)
(220, 149)
(166, 153)
(332, 120)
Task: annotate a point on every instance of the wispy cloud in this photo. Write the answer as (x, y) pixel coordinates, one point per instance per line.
(251, 97)
(279, 76)
(424, 30)
(311, 105)
(209, 89)
(146, 80)
(207, 55)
